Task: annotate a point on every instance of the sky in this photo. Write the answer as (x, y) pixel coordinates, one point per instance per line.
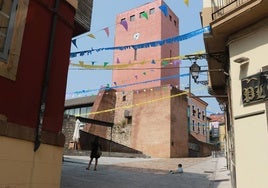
(103, 16)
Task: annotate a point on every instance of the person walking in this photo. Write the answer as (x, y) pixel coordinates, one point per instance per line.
(95, 153)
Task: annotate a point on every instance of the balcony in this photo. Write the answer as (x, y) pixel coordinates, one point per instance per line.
(222, 7)
(227, 17)
(83, 16)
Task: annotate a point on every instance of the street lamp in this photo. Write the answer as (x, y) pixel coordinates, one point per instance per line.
(194, 70)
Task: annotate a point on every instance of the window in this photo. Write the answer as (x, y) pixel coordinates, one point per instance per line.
(193, 111)
(193, 124)
(129, 120)
(132, 18)
(84, 112)
(152, 11)
(7, 20)
(135, 54)
(124, 98)
(170, 18)
(123, 19)
(175, 23)
(198, 113)
(13, 14)
(77, 112)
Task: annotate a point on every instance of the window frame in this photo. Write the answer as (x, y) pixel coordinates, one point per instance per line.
(151, 11)
(132, 18)
(9, 34)
(9, 68)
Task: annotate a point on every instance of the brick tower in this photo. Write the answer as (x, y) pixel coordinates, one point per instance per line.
(143, 24)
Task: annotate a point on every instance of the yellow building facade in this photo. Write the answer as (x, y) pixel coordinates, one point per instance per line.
(238, 43)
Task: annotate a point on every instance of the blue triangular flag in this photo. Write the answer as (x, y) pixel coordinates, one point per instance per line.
(74, 43)
(164, 9)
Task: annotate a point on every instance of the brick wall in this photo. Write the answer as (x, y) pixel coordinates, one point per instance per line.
(159, 128)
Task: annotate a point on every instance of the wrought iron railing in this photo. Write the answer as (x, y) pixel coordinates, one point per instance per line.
(222, 7)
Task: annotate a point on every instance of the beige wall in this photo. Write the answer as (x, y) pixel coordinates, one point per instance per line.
(222, 136)
(21, 167)
(251, 134)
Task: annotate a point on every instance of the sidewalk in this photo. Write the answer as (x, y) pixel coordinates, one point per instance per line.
(145, 172)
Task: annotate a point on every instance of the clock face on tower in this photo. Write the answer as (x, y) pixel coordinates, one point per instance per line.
(136, 36)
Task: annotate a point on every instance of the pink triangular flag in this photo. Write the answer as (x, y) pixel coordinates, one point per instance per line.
(117, 61)
(106, 29)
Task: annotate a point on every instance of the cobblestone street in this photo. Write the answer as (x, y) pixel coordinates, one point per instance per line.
(145, 172)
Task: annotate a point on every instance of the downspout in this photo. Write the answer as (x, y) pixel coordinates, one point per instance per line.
(44, 89)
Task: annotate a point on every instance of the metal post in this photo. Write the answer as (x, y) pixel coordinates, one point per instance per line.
(189, 102)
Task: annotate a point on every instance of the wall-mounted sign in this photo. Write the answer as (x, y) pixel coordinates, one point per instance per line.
(255, 88)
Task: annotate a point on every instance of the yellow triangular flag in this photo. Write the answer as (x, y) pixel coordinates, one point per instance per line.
(186, 2)
(91, 36)
(81, 63)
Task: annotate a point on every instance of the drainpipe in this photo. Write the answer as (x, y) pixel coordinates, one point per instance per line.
(37, 141)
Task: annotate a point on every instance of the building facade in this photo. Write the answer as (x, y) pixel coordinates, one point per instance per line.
(153, 114)
(146, 23)
(34, 58)
(238, 41)
(198, 118)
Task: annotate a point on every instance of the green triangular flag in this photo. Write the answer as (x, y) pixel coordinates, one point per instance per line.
(145, 15)
(105, 64)
(164, 63)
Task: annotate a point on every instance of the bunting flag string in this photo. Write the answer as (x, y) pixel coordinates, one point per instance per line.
(163, 8)
(85, 92)
(165, 61)
(143, 103)
(175, 39)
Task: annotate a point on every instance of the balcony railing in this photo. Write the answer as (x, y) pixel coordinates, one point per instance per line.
(83, 14)
(222, 7)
